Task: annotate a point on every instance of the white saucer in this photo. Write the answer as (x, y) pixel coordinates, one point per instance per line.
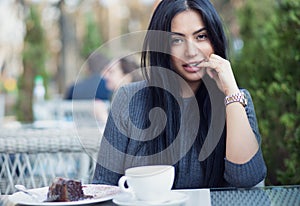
(173, 199)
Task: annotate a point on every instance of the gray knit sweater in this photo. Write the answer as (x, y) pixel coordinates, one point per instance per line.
(124, 145)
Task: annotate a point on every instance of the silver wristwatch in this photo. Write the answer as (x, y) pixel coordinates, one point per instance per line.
(237, 97)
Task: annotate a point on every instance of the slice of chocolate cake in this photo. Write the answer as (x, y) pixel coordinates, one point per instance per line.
(65, 190)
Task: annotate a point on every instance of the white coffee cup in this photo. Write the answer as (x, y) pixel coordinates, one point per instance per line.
(150, 183)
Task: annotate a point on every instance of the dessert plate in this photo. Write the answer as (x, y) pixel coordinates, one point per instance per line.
(99, 193)
(173, 199)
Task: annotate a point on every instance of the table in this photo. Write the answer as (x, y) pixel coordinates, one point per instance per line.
(264, 196)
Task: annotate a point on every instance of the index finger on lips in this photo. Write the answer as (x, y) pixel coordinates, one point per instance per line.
(213, 65)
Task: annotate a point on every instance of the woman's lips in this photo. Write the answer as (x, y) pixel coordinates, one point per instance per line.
(192, 67)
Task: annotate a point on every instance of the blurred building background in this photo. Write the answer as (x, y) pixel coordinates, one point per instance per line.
(53, 38)
(69, 31)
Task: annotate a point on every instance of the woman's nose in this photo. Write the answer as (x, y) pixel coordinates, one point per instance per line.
(191, 50)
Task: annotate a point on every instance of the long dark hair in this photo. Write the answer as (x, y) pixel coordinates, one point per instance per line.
(156, 49)
(156, 53)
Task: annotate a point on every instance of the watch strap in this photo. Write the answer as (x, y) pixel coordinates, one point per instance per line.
(237, 97)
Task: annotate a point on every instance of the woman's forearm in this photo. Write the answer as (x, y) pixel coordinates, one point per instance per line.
(241, 143)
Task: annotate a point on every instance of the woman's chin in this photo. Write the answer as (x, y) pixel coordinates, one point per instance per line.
(194, 76)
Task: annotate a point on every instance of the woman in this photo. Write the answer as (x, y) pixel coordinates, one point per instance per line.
(177, 116)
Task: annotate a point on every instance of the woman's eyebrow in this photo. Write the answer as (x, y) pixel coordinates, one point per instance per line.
(196, 32)
(202, 29)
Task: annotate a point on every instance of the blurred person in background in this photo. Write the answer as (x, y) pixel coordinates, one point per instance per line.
(121, 72)
(93, 86)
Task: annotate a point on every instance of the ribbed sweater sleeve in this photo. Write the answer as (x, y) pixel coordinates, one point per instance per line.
(254, 171)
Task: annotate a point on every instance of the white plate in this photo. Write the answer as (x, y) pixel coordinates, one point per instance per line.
(173, 199)
(100, 193)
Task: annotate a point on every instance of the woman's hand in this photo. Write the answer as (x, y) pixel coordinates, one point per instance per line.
(220, 70)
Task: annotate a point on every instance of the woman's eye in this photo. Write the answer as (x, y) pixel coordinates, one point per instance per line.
(202, 36)
(176, 41)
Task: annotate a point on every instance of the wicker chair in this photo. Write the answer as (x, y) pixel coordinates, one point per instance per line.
(33, 157)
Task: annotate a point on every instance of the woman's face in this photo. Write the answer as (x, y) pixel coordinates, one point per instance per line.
(189, 46)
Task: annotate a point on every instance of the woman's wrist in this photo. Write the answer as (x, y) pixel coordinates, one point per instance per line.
(231, 91)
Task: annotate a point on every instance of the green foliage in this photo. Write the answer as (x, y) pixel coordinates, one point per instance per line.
(269, 66)
(92, 38)
(34, 56)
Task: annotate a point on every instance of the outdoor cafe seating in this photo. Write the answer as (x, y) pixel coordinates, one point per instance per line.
(34, 154)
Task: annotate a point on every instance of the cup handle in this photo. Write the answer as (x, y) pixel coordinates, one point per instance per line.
(121, 184)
